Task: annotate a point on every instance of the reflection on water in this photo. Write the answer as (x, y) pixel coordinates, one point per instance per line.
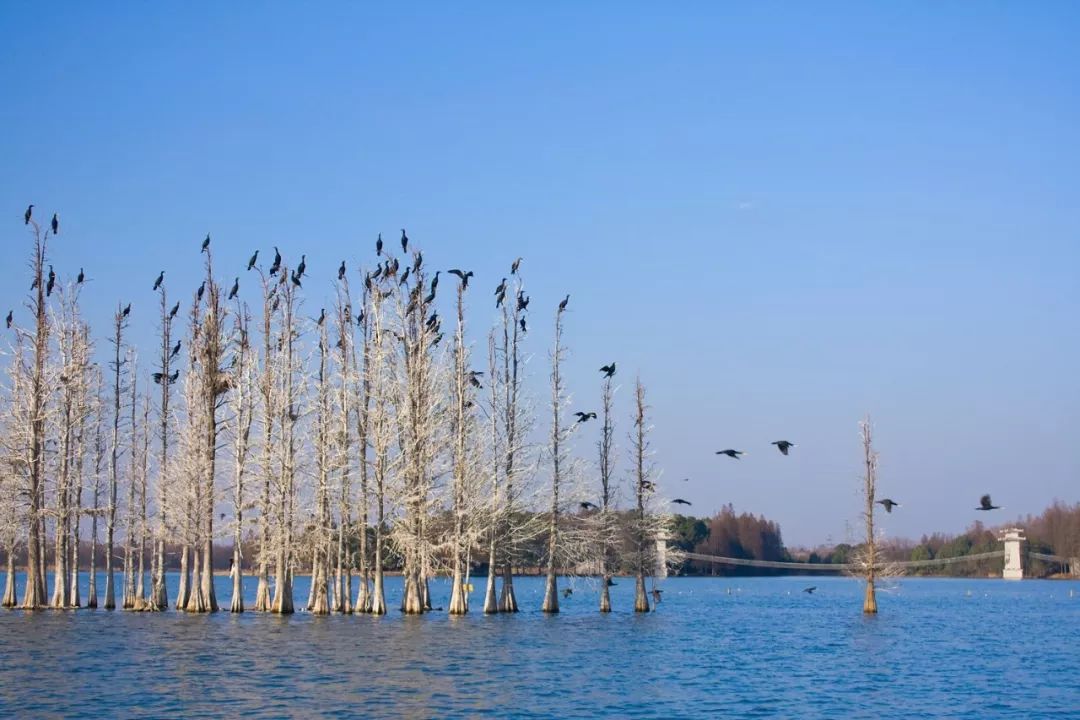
(730, 647)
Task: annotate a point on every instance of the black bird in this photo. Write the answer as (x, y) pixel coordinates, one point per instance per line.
(647, 485)
(27, 214)
(377, 274)
(437, 340)
(435, 281)
(585, 416)
(235, 288)
(277, 301)
(610, 582)
(888, 504)
(586, 505)
(175, 309)
(523, 328)
(55, 224)
(35, 283)
(501, 290)
(322, 317)
(985, 504)
(404, 241)
(463, 275)
(160, 279)
(360, 318)
(680, 501)
(608, 370)
(126, 311)
(563, 304)
(51, 282)
(429, 299)
(514, 267)
(474, 381)
(176, 374)
(296, 280)
(10, 318)
(567, 592)
(523, 301)
(404, 276)
(378, 245)
(657, 595)
(731, 453)
(277, 262)
(302, 267)
(205, 243)
(433, 319)
(499, 299)
(175, 350)
(341, 271)
(80, 277)
(783, 446)
(157, 377)
(810, 590)
(200, 291)
(417, 262)
(252, 260)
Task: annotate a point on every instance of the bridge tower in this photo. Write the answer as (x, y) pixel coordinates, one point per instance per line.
(1014, 567)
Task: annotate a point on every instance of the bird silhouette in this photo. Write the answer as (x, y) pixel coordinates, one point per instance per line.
(176, 374)
(586, 505)
(404, 241)
(810, 590)
(680, 501)
(176, 349)
(80, 277)
(26, 216)
(523, 301)
(360, 317)
(302, 267)
(515, 266)
(160, 279)
(523, 327)
(417, 262)
(175, 309)
(235, 288)
(126, 311)
(404, 276)
(51, 282)
(501, 289)
(433, 319)
(585, 416)
(985, 504)
(731, 453)
(648, 485)
(276, 266)
(378, 245)
(200, 291)
(430, 298)
(296, 279)
(608, 370)
(252, 260)
(564, 303)
(205, 243)
(463, 275)
(55, 224)
(657, 595)
(435, 281)
(499, 299)
(783, 446)
(322, 317)
(888, 504)
(567, 593)
(341, 271)
(10, 318)
(157, 377)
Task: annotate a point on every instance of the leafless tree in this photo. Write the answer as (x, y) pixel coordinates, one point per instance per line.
(606, 518)
(119, 365)
(159, 595)
(242, 405)
(558, 454)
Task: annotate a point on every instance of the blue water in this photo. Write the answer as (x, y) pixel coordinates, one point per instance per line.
(746, 647)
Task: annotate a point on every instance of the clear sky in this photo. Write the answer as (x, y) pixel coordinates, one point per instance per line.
(783, 215)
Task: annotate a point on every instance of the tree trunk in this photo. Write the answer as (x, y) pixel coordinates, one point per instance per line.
(184, 589)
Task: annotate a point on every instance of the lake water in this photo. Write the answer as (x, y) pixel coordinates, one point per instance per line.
(734, 647)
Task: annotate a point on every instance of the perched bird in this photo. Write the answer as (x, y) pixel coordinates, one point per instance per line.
(378, 245)
(322, 317)
(523, 301)
(611, 583)
(501, 289)
(404, 241)
(296, 279)
(157, 377)
(174, 376)
(235, 288)
(585, 416)
(586, 505)
(417, 262)
(277, 262)
(200, 291)
(783, 446)
(55, 224)
(126, 311)
(515, 266)
(680, 501)
(252, 260)
(731, 453)
(160, 279)
(810, 590)
(985, 504)
(10, 318)
(474, 381)
(302, 267)
(205, 243)
(563, 304)
(341, 271)
(464, 277)
(433, 319)
(27, 214)
(360, 318)
(404, 276)
(80, 277)
(608, 370)
(888, 504)
(567, 592)
(435, 281)
(429, 299)
(176, 349)
(51, 282)
(523, 327)
(499, 299)
(175, 309)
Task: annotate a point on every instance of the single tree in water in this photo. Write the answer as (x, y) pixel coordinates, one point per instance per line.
(119, 367)
(558, 456)
(345, 357)
(159, 597)
(242, 405)
(639, 445)
(128, 596)
(606, 518)
(465, 456)
(870, 460)
(319, 603)
(269, 417)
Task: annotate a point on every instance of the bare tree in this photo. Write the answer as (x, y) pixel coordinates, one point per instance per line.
(870, 460)
(640, 450)
(606, 518)
(319, 603)
(342, 464)
(242, 404)
(159, 593)
(128, 600)
(98, 477)
(269, 399)
(119, 368)
(558, 456)
(465, 456)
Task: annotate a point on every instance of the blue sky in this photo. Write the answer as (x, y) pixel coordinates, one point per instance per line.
(783, 216)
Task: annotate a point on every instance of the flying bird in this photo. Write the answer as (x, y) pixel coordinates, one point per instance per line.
(378, 245)
(80, 277)
(985, 504)
(160, 279)
(586, 505)
(205, 243)
(783, 446)
(404, 241)
(157, 377)
(810, 590)
(731, 453)
(680, 501)
(563, 304)
(27, 214)
(252, 260)
(514, 268)
(235, 288)
(585, 416)
(608, 370)
(341, 271)
(55, 224)
(888, 504)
